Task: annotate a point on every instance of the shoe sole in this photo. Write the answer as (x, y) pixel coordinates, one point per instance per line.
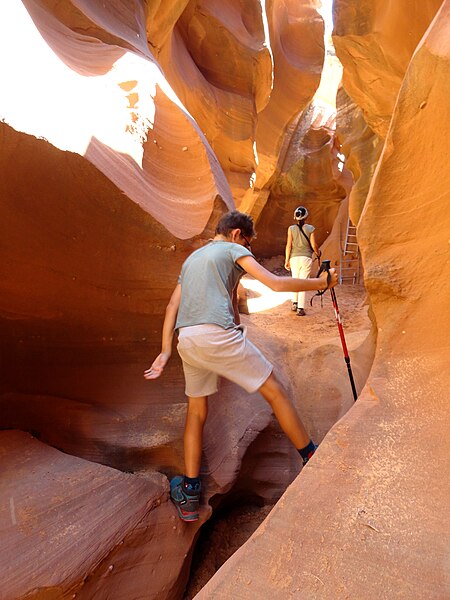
(187, 517)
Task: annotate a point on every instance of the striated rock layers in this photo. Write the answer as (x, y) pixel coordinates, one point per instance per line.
(91, 512)
(246, 71)
(103, 96)
(367, 517)
(308, 172)
(126, 128)
(308, 176)
(374, 43)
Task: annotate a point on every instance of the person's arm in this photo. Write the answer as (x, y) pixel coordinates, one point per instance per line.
(287, 265)
(167, 336)
(314, 245)
(285, 284)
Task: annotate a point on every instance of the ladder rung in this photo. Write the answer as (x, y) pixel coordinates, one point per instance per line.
(349, 267)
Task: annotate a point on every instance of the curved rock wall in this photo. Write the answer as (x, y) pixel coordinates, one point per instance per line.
(245, 70)
(308, 173)
(296, 37)
(124, 136)
(218, 59)
(114, 106)
(374, 43)
(357, 522)
(308, 176)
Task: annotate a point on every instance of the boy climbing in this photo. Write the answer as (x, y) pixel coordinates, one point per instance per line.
(211, 344)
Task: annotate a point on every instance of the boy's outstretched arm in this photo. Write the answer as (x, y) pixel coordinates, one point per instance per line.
(285, 284)
(167, 336)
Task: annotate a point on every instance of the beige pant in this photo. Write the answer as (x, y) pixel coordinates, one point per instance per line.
(209, 351)
(300, 269)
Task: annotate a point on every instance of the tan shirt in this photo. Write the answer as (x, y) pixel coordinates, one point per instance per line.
(300, 246)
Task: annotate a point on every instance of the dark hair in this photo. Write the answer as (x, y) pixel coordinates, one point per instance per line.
(236, 220)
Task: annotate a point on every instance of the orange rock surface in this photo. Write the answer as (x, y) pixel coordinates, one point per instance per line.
(374, 43)
(308, 176)
(296, 38)
(70, 527)
(308, 173)
(122, 139)
(114, 106)
(367, 517)
(126, 130)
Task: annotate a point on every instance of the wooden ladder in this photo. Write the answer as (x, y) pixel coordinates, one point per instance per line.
(349, 264)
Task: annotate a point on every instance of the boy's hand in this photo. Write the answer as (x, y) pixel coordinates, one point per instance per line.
(287, 266)
(157, 367)
(333, 279)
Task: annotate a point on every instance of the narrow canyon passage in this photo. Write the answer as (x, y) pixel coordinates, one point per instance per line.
(311, 360)
(127, 131)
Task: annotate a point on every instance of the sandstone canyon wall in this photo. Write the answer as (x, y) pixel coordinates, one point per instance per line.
(368, 516)
(307, 172)
(374, 42)
(307, 176)
(126, 130)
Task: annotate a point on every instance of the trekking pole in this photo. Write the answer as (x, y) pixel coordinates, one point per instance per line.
(325, 266)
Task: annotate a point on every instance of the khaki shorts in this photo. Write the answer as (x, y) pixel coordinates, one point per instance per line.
(209, 351)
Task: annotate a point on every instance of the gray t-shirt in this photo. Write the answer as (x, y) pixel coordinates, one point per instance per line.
(208, 278)
(300, 246)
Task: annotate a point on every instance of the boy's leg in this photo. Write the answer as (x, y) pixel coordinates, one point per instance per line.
(193, 434)
(185, 490)
(287, 416)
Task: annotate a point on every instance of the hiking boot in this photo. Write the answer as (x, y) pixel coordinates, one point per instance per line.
(186, 501)
(305, 460)
(294, 307)
(301, 312)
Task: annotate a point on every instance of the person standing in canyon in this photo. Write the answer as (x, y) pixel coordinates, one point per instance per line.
(212, 344)
(300, 246)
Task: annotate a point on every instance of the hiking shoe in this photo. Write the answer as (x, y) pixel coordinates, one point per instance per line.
(301, 312)
(305, 460)
(186, 501)
(294, 307)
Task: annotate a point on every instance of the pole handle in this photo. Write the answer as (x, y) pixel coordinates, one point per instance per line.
(325, 266)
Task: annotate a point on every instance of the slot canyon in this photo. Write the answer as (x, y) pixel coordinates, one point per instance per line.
(127, 129)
